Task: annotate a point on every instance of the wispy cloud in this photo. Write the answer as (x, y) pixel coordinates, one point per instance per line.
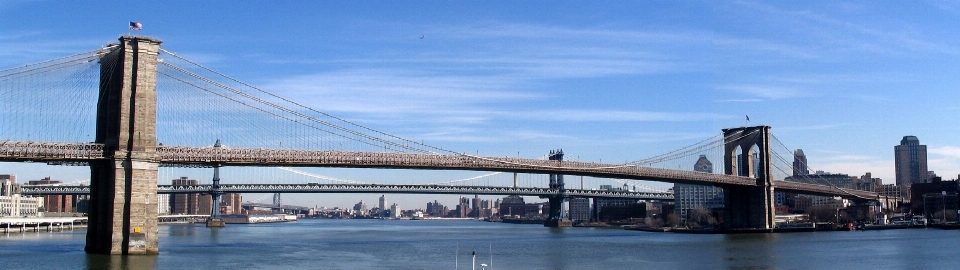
(946, 151)
(814, 127)
(765, 91)
(836, 37)
(599, 115)
(537, 51)
(944, 161)
(741, 100)
(398, 91)
(24, 48)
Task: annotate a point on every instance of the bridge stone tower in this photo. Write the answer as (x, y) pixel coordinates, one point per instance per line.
(748, 207)
(123, 187)
(556, 217)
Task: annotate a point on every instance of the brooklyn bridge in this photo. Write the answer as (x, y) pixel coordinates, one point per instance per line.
(133, 95)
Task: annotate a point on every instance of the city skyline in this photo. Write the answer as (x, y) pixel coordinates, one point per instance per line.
(839, 80)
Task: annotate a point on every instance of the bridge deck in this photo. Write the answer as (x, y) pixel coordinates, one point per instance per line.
(364, 188)
(209, 156)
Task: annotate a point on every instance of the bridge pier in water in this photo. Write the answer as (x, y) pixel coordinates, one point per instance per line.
(556, 217)
(215, 221)
(123, 187)
(748, 208)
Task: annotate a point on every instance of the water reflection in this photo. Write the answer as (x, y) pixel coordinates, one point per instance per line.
(182, 229)
(750, 250)
(97, 261)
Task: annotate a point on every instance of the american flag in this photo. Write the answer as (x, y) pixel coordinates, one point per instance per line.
(136, 26)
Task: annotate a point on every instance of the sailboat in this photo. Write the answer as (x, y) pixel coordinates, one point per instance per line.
(473, 255)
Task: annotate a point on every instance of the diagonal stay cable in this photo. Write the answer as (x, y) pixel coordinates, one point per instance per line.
(306, 107)
(287, 110)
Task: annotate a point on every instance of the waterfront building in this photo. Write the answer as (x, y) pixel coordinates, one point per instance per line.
(188, 204)
(514, 206)
(204, 204)
(579, 209)
(910, 160)
(831, 202)
(602, 206)
(920, 194)
(688, 197)
(163, 204)
(231, 203)
(19, 206)
(892, 190)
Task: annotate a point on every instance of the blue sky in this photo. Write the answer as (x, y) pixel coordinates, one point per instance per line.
(617, 81)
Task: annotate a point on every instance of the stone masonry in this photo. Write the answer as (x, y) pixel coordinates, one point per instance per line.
(123, 216)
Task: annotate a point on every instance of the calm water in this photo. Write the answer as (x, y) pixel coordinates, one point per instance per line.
(430, 244)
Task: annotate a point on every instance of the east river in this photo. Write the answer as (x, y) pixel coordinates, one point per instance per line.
(447, 244)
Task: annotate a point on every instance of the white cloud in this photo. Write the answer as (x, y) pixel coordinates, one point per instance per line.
(814, 127)
(765, 91)
(945, 161)
(946, 151)
(741, 100)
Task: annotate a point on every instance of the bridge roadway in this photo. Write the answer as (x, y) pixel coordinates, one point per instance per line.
(362, 188)
(24, 151)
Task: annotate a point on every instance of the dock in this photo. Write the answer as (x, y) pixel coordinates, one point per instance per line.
(37, 224)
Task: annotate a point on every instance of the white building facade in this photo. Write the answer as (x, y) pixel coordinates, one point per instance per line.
(18, 206)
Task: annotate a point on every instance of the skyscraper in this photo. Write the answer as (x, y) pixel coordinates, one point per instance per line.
(383, 206)
(800, 163)
(911, 161)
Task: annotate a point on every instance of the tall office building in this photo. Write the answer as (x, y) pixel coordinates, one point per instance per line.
(911, 161)
(800, 163)
(688, 197)
(383, 206)
(394, 211)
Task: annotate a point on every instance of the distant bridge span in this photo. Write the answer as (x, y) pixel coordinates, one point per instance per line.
(365, 188)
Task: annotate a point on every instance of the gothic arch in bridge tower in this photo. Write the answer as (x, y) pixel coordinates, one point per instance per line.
(747, 153)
